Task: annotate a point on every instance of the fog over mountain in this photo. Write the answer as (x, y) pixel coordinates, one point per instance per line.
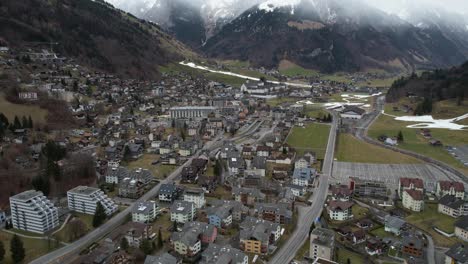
(328, 34)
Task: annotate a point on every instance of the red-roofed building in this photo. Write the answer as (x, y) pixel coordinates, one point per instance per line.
(456, 189)
(410, 184)
(339, 210)
(413, 200)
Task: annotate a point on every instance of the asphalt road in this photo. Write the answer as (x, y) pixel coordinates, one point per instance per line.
(65, 254)
(308, 215)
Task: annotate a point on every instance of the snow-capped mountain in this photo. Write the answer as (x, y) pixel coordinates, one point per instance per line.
(325, 34)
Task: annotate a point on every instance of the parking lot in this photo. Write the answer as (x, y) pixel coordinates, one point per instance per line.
(460, 153)
(389, 173)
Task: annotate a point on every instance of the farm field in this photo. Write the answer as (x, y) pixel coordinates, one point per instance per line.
(313, 137)
(11, 110)
(350, 149)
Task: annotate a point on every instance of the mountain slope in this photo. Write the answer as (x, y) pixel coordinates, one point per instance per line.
(93, 32)
(438, 85)
(330, 36)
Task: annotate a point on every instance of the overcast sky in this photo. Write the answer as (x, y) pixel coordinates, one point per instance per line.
(394, 6)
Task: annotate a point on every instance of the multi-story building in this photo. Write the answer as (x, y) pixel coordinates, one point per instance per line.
(182, 211)
(457, 254)
(189, 241)
(413, 200)
(257, 235)
(461, 228)
(31, 211)
(456, 189)
(131, 188)
(277, 213)
(84, 199)
(247, 196)
(452, 206)
(302, 176)
(195, 112)
(368, 188)
(196, 196)
(410, 184)
(322, 244)
(216, 253)
(145, 212)
(169, 193)
(339, 210)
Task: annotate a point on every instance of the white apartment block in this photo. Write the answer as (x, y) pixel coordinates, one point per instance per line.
(84, 199)
(196, 196)
(31, 211)
(145, 212)
(182, 212)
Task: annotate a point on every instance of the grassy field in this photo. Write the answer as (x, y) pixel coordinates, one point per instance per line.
(290, 69)
(381, 233)
(350, 149)
(280, 100)
(413, 141)
(313, 137)
(34, 248)
(344, 255)
(63, 235)
(359, 211)
(430, 218)
(159, 170)
(174, 68)
(37, 114)
(164, 222)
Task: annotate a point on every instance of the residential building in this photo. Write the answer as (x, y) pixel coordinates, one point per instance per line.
(452, 206)
(413, 200)
(341, 192)
(116, 174)
(223, 254)
(461, 228)
(339, 210)
(457, 254)
(456, 189)
(394, 224)
(192, 112)
(145, 212)
(412, 245)
(169, 193)
(257, 235)
(131, 188)
(247, 196)
(195, 195)
(31, 211)
(182, 211)
(84, 199)
(304, 162)
(189, 241)
(135, 233)
(322, 244)
(165, 258)
(409, 184)
(368, 188)
(220, 216)
(237, 209)
(303, 176)
(276, 213)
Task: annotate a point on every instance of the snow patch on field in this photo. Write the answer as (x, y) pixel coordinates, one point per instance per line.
(428, 121)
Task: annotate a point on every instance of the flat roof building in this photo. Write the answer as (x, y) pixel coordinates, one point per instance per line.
(31, 211)
(84, 199)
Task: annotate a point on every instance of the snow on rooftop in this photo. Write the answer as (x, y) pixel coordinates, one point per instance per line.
(271, 5)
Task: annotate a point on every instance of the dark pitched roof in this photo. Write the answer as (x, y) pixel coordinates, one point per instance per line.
(459, 253)
(451, 201)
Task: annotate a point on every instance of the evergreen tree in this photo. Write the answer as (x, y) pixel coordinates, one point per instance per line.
(4, 120)
(16, 123)
(2, 251)
(124, 244)
(30, 122)
(2, 130)
(17, 249)
(41, 183)
(160, 240)
(400, 136)
(99, 215)
(146, 246)
(24, 122)
(218, 169)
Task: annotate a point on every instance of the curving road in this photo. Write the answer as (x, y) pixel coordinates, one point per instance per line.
(64, 254)
(307, 215)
